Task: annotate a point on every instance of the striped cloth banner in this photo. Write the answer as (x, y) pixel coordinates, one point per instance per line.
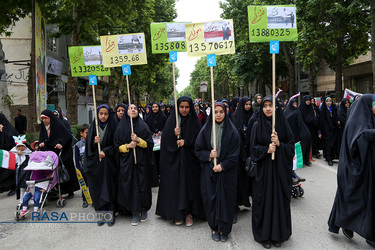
(7, 160)
(298, 157)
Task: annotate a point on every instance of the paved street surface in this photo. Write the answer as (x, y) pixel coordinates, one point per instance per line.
(309, 219)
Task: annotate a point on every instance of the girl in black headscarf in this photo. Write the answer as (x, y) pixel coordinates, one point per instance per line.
(330, 132)
(58, 114)
(354, 205)
(134, 180)
(310, 116)
(54, 136)
(218, 183)
(156, 121)
(272, 185)
(179, 191)
(299, 129)
(147, 112)
(167, 110)
(233, 104)
(119, 112)
(241, 119)
(100, 168)
(7, 177)
(344, 106)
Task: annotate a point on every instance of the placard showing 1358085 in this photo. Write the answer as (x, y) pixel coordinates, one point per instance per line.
(87, 60)
(167, 37)
(272, 23)
(210, 38)
(123, 49)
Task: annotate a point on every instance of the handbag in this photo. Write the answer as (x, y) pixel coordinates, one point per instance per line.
(250, 167)
(63, 174)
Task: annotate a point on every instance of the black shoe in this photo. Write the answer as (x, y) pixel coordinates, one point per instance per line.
(11, 192)
(308, 163)
(318, 156)
(301, 179)
(235, 218)
(330, 163)
(112, 223)
(215, 236)
(223, 238)
(276, 243)
(347, 233)
(266, 244)
(85, 204)
(70, 196)
(371, 243)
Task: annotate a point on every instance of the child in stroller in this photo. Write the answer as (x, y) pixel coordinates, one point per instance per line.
(43, 178)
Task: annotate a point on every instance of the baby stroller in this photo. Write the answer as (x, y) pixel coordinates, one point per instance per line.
(297, 190)
(44, 167)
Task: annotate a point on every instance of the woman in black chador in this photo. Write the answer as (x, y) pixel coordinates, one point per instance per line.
(272, 185)
(354, 206)
(156, 121)
(7, 177)
(218, 183)
(179, 191)
(310, 115)
(342, 113)
(299, 129)
(134, 179)
(100, 168)
(54, 136)
(241, 119)
(330, 132)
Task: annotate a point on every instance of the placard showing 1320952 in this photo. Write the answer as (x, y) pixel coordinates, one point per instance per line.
(167, 37)
(272, 23)
(123, 49)
(215, 37)
(87, 60)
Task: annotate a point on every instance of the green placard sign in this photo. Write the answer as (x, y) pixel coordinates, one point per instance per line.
(167, 37)
(272, 23)
(87, 60)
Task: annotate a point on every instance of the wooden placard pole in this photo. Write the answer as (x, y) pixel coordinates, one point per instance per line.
(131, 118)
(273, 96)
(213, 111)
(175, 97)
(96, 116)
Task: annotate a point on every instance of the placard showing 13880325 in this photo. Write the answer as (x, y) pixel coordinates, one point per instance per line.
(123, 49)
(272, 23)
(167, 37)
(215, 37)
(87, 60)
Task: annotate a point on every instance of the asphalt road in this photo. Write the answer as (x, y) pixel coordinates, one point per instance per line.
(309, 221)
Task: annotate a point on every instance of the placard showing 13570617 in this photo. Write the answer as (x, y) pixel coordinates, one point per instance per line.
(215, 37)
(123, 49)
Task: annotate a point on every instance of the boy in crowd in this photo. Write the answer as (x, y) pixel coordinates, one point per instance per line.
(79, 151)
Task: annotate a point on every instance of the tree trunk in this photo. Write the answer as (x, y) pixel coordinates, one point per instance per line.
(373, 45)
(339, 69)
(71, 88)
(311, 73)
(291, 68)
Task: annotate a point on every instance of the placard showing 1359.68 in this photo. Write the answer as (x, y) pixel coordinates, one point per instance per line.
(210, 38)
(167, 37)
(87, 60)
(272, 23)
(124, 49)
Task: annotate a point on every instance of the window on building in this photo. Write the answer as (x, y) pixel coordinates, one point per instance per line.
(52, 44)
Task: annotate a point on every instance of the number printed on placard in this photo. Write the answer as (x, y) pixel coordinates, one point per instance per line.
(89, 69)
(270, 32)
(124, 59)
(169, 46)
(212, 46)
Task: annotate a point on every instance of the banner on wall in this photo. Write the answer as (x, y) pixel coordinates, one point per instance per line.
(40, 59)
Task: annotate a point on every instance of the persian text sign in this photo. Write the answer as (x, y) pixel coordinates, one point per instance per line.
(210, 38)
(167, 37)
(123, 49)
(87, 60)
(272, 23)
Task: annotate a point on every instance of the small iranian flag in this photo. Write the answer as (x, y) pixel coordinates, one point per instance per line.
(7, 160)
(298, 157)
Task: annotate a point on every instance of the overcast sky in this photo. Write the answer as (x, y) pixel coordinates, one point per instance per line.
(196, 11)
